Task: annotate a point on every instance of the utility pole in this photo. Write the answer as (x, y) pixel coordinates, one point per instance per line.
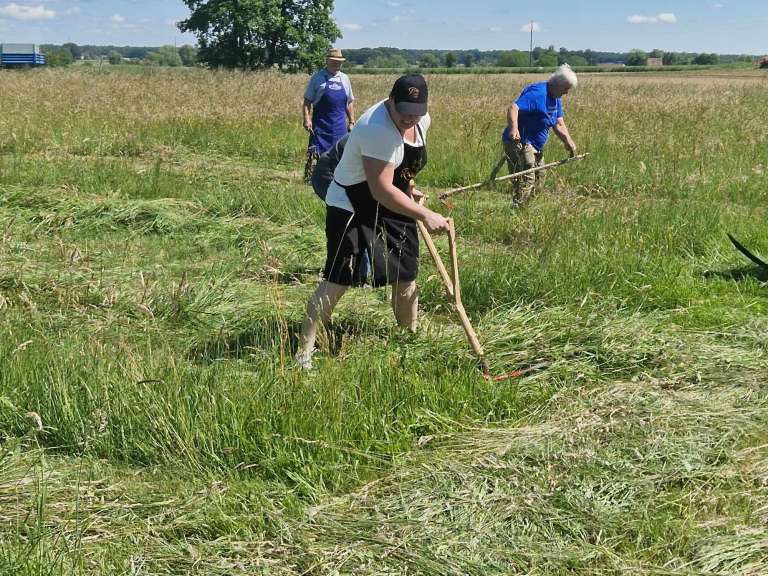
(530, 50)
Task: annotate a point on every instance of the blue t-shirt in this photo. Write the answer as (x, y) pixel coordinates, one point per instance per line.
(322, 80)
(538, 113)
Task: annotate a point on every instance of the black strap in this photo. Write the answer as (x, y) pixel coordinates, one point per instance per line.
(421, 134)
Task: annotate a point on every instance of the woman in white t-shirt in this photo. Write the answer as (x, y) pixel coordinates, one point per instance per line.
(372, 210)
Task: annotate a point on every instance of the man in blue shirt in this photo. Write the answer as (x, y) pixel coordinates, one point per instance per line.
(538, 108)
(328, 110)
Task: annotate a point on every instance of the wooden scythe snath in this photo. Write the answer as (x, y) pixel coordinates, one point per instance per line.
(453, 287)
(453, 191)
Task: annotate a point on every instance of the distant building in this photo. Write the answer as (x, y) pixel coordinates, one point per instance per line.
(654, 62)
(21, 55)
(761, 62)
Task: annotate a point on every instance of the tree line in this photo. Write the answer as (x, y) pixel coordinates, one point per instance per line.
(66, 54)
(539, 57)
(384, 57)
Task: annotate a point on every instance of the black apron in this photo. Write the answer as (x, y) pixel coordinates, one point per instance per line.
(390, 239)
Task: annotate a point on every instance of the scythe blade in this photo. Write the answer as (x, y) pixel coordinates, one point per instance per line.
(747, 253)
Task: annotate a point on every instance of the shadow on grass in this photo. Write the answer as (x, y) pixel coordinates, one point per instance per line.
(741, 273)
(271, 334)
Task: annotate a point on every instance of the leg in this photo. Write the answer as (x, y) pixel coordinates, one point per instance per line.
(527, 186)
(319, 309)
(515, 163)
(539, 156)
(405, 304)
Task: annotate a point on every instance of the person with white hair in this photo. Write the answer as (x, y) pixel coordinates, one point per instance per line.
(538, 108)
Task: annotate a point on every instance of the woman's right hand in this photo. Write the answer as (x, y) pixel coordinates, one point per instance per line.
(435, 223)
(308, 125)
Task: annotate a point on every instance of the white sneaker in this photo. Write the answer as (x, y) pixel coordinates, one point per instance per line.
(303, 359)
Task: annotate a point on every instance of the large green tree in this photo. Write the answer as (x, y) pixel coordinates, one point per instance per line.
(250, 34)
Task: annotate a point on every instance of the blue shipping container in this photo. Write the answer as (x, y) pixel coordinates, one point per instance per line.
(21, 55)
(23, 59)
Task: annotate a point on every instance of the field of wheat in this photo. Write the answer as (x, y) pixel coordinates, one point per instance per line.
(157, 247)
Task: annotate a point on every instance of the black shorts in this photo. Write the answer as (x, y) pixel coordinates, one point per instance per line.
(379, 249)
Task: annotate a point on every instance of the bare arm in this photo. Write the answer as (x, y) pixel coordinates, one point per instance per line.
(351, 114)
(380, 175)
(307, 114)
(512, 114)
(561, 131)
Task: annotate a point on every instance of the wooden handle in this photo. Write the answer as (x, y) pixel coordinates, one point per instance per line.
(465, 322)
(434, 253)
(453, 287)
(436, 258)
(447, 193)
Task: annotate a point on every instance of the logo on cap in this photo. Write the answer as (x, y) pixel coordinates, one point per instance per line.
(413, 92)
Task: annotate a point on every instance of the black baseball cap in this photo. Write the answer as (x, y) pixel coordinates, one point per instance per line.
(410, 95)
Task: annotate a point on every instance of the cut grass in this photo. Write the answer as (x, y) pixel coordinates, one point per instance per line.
(660, 474)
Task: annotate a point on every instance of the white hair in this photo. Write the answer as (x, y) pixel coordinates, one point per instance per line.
(564, 76)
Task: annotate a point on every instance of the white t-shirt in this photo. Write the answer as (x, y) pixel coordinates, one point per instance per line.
(374, 136)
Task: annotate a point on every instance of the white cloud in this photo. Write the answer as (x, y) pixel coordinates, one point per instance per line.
(17, 12)
(117, 19)
(495, 28)
(663, 18)
(531, 27)
(72, 11)
(350, 27)
(717, 6)
(393, 4)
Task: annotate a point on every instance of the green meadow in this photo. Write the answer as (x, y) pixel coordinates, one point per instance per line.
(157, 247)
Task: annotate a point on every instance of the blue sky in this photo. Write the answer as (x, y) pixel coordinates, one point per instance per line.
(723, 26)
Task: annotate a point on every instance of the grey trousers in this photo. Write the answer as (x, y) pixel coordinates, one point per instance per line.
(523, 157)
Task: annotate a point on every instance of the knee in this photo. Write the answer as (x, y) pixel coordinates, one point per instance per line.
(405, 291)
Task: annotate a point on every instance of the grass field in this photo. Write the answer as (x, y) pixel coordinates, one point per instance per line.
(156, 251)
